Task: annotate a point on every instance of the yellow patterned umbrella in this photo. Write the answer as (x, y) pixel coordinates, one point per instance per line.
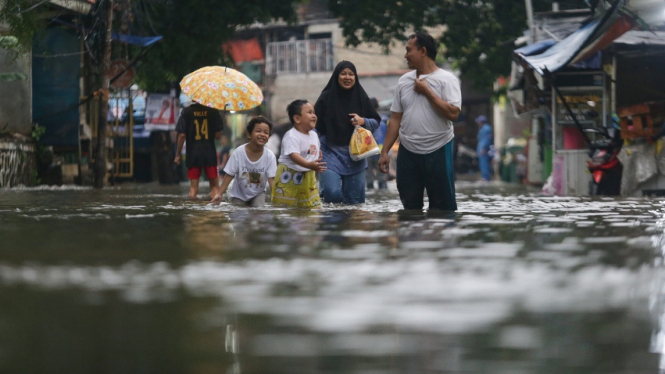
(222, 88)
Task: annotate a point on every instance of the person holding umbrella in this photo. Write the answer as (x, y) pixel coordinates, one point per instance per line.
(199, 126)
(212, 88)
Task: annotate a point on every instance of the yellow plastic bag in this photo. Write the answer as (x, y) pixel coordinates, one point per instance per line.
(362, 144)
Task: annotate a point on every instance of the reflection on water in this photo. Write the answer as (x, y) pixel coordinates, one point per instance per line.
(136, 279)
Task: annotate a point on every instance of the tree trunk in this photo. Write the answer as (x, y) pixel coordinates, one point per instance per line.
(100, 160)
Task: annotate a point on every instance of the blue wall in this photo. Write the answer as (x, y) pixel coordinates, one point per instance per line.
(55, 85)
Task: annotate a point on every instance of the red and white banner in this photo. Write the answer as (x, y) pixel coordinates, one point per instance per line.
(161, 112)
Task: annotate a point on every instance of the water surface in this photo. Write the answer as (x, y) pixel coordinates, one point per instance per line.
(136, 279)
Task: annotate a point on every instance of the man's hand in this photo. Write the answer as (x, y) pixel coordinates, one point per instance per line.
(217, 199)
(177, 160)
(421, 87)
(384, 163)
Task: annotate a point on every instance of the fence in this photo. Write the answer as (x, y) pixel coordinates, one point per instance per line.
(18, 163)
(300, 56)
(119, 137)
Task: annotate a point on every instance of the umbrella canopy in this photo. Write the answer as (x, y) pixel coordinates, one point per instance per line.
(222, 88)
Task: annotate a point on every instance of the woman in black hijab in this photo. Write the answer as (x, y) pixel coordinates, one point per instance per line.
(343, 105)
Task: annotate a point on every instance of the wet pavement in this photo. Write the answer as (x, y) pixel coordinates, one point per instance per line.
(135, 279)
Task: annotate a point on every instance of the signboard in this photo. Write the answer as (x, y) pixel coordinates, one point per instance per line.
(117, 67)
(161, 112)
(583, 105)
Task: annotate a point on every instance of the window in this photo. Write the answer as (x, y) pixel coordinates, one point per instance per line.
(299, 56)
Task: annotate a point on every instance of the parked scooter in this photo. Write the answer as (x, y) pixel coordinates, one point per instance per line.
(604, 164)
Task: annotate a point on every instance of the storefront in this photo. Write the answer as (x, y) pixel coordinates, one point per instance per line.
(580, 82)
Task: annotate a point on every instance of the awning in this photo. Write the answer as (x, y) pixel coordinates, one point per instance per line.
(143, 41)
(535, 48)
(248, 50)
(581, 44)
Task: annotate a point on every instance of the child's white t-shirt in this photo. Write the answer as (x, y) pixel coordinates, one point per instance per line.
(250, 177)
(307, 145)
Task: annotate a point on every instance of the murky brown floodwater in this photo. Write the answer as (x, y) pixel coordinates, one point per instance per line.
(137, 280)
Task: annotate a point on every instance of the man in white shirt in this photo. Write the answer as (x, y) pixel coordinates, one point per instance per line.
(427, 101)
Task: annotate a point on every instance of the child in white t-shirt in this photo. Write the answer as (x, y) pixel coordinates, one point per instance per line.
(299, 160)
(252, 164)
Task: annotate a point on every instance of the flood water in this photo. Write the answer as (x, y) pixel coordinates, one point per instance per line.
(135, 279)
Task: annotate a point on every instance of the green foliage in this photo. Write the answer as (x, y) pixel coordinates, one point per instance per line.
(12, 76)
(8, 41)
(480, 34)
(25, 18)
(44, 156)
(34, 178)
(194, 31)
(37, 132)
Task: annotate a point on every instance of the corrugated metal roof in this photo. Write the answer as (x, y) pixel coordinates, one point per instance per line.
(594, 35)
(637, 37)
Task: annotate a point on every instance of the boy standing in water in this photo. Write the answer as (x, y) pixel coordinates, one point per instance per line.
(199, 126)
(253, 164)
(299, 160)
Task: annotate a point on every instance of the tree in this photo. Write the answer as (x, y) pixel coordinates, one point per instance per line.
(194, 31)
(9, 42)
(479, 37)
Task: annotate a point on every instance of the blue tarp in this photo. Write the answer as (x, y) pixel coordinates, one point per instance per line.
(536, 47)
(143, 41)
(563, 52)
(579, 45)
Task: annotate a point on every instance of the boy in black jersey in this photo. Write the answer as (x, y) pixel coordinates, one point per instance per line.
(199, 126)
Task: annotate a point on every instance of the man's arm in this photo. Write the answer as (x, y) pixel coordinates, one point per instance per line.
(178, 152)
(445, 109)
(394, 124)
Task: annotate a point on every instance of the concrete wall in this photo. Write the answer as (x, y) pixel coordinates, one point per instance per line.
(16, 97)
(289, 87)
(369, 60)
(378, 71)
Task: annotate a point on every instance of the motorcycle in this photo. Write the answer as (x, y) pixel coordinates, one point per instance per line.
(604, 164)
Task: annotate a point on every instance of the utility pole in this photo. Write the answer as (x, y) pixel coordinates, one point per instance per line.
(529, 18)
(100, 160)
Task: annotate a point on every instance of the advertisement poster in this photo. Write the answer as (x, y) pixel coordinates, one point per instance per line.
(161, 112)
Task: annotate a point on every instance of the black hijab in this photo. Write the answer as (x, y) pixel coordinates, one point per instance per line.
(335, 103)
